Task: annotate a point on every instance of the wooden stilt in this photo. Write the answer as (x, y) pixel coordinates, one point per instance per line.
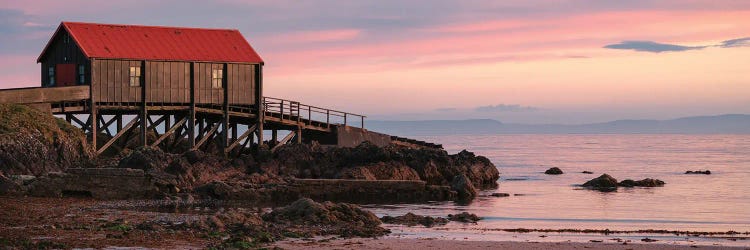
(169, 131)
(207, 135)
(299, 135)
(284, 141)
(119, 134)
(143, 115)
(238, 140)
(94, 124)
(191, 114)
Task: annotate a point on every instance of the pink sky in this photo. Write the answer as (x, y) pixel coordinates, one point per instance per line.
(394, 60)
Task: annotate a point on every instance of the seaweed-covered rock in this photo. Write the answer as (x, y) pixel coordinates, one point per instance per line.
(648, 182)
(33, 142)
(411, 219)
(464, 217)
(602, 183)
(698, 172)
(553, 171)
(334, 218)
(436, 167)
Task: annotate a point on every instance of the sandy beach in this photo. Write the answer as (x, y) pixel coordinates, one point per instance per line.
(394, 243)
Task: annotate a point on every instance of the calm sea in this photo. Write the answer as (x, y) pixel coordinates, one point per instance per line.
(716, 202)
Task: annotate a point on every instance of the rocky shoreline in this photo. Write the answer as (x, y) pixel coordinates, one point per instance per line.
(66, 170)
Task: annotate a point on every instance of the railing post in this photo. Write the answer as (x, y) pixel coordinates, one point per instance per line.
(344, 119)
(363, 122)
(281, 109)
(328, 118)
(309, 115)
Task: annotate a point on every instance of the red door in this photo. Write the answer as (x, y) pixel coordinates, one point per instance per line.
(65, 74)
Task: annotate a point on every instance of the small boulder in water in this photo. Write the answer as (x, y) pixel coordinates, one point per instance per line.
(699, 172)
(411, 219)
(464, 217)
(587, 172)
(602, 183)
(553, 171)
(648, 182)
(500, 194)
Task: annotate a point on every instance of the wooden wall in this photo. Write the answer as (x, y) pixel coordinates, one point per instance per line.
(241, 83)
(60, 51)
(111, 81)
(169, 82)
(204, 90)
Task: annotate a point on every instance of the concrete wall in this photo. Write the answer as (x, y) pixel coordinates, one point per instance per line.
(352, 136)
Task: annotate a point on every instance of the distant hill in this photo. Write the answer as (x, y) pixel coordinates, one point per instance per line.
(719, 124)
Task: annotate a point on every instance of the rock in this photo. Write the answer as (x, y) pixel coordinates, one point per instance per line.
(627, 183)
(411, 219)
(345, 219)
(648, 240)
(500, 194)
(357, 173)
(8, 186)
(393, 171)
(587, 172)
(553, 171)
(648, 182)
(602, 183)
(607, 183)
(464, 217)
(33, 142)
(699, 172)
(463, 186)
(146, 158)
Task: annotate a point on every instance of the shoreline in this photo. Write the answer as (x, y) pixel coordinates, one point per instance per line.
(436, 244)
(72, 222)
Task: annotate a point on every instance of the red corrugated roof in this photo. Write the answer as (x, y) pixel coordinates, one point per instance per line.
(116, 41)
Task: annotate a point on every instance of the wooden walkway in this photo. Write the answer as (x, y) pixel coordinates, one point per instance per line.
(279, 114)
(75, 99)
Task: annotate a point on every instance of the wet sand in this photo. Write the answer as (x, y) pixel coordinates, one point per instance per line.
(411, 244)
(27, 222)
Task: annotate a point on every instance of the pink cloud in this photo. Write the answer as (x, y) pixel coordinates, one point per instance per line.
(521, 39)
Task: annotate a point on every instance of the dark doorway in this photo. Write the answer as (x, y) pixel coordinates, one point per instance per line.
(65, 74)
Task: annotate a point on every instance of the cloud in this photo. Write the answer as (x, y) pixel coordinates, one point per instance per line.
(740, 42)
(649, 46)
(655, 47)
(505, 108)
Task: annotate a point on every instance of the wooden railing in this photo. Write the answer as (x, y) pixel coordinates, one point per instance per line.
(289, 109)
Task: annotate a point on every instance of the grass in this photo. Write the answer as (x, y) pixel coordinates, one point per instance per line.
(21, 118)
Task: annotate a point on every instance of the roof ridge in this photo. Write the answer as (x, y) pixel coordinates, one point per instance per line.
(150, 26)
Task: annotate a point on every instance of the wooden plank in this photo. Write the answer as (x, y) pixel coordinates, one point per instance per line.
(170, 131)
(207, 136)
(40, 95)
(237, 141)
(191, 121)
(117, 136)
(284, 141)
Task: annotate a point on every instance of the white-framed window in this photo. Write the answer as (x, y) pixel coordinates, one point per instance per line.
(51, 75)
(135, 76)
(81, 74)
(217, 77)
